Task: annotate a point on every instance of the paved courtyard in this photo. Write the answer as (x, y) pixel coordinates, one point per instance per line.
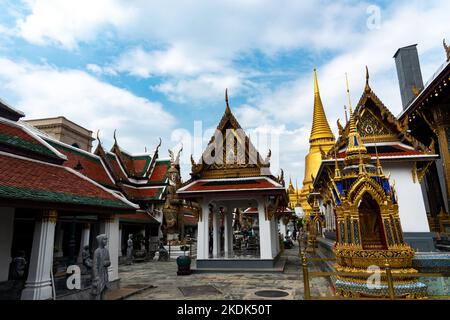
(238, 286)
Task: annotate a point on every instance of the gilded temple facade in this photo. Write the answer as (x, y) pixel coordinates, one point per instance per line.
(321, 140)
(369, 233)
(405, 160)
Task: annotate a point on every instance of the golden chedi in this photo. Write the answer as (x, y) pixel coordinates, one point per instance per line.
(321, 141)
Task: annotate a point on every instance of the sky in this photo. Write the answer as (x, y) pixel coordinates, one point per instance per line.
(151, 69)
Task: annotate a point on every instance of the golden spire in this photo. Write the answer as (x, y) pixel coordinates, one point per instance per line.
(320, 127)
(355, 147)
(379, 168)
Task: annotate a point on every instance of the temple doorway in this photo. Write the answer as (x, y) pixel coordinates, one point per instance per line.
(372, 234)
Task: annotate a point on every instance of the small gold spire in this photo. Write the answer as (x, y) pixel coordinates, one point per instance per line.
(379, 167)
(337, 172)
(316, 83)
(355, 147)
(346, 117)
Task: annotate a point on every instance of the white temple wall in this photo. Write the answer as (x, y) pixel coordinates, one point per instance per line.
(411, 204)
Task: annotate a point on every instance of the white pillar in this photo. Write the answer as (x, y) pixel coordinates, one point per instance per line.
(228, 223)
(265, 231)
(120, 241)
(203, 232)
(84, 241)
(6, 236)
(38, 285)
(276, 236)
(216, 234)
(59, 234)
(110, 227)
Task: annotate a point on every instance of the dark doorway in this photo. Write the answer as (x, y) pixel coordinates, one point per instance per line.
(372, 233)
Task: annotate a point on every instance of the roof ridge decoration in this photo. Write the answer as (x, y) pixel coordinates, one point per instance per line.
(355, 151)
(239, 156)
(447, 50)
(100, 151)
(320, 128)
(389, 126)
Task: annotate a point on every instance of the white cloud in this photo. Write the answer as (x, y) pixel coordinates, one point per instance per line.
(45, 91)
(66, 23)
(98, 70)
(292, 103)
(193, 46)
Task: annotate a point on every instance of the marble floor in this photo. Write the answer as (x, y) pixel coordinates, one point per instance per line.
(235, 286)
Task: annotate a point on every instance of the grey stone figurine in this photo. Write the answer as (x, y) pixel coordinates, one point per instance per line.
(100, 266)
(130, 249)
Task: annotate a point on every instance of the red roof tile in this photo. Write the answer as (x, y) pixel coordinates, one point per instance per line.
(115, 166)
(139, 217)
(25, 179)
(143, 193)
(18, 137)
(91, 165)
(394, 151)
(229, 184)
(159, 173)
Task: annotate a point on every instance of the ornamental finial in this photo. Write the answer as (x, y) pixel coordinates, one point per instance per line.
(367, 88)
(447, 50)
(98, 136)
(227, 110)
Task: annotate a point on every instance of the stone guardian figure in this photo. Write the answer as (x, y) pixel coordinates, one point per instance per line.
(101, 262)
(130, 249)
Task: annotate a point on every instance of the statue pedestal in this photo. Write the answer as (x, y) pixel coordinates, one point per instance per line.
(172, 236)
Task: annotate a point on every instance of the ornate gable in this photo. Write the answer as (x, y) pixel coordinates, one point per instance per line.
(375, 123)
(234, 156)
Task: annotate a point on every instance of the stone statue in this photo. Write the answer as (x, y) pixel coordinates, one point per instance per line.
(86, 258)
(163, 253)
(130, 249)
(100, 268)
(18, 266)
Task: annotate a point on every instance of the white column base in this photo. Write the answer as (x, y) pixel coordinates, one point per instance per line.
(6, 235)
(265, 233)
(203, 233)
(110, 227)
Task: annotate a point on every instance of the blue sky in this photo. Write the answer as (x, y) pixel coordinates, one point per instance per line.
(151, 68)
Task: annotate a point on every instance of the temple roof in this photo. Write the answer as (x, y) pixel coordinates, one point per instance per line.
(10, 113)
(18, 139)
(84, 162)
(27, 180)
(143, 193)
(320, 128)
(139, 217)
(242, 160)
